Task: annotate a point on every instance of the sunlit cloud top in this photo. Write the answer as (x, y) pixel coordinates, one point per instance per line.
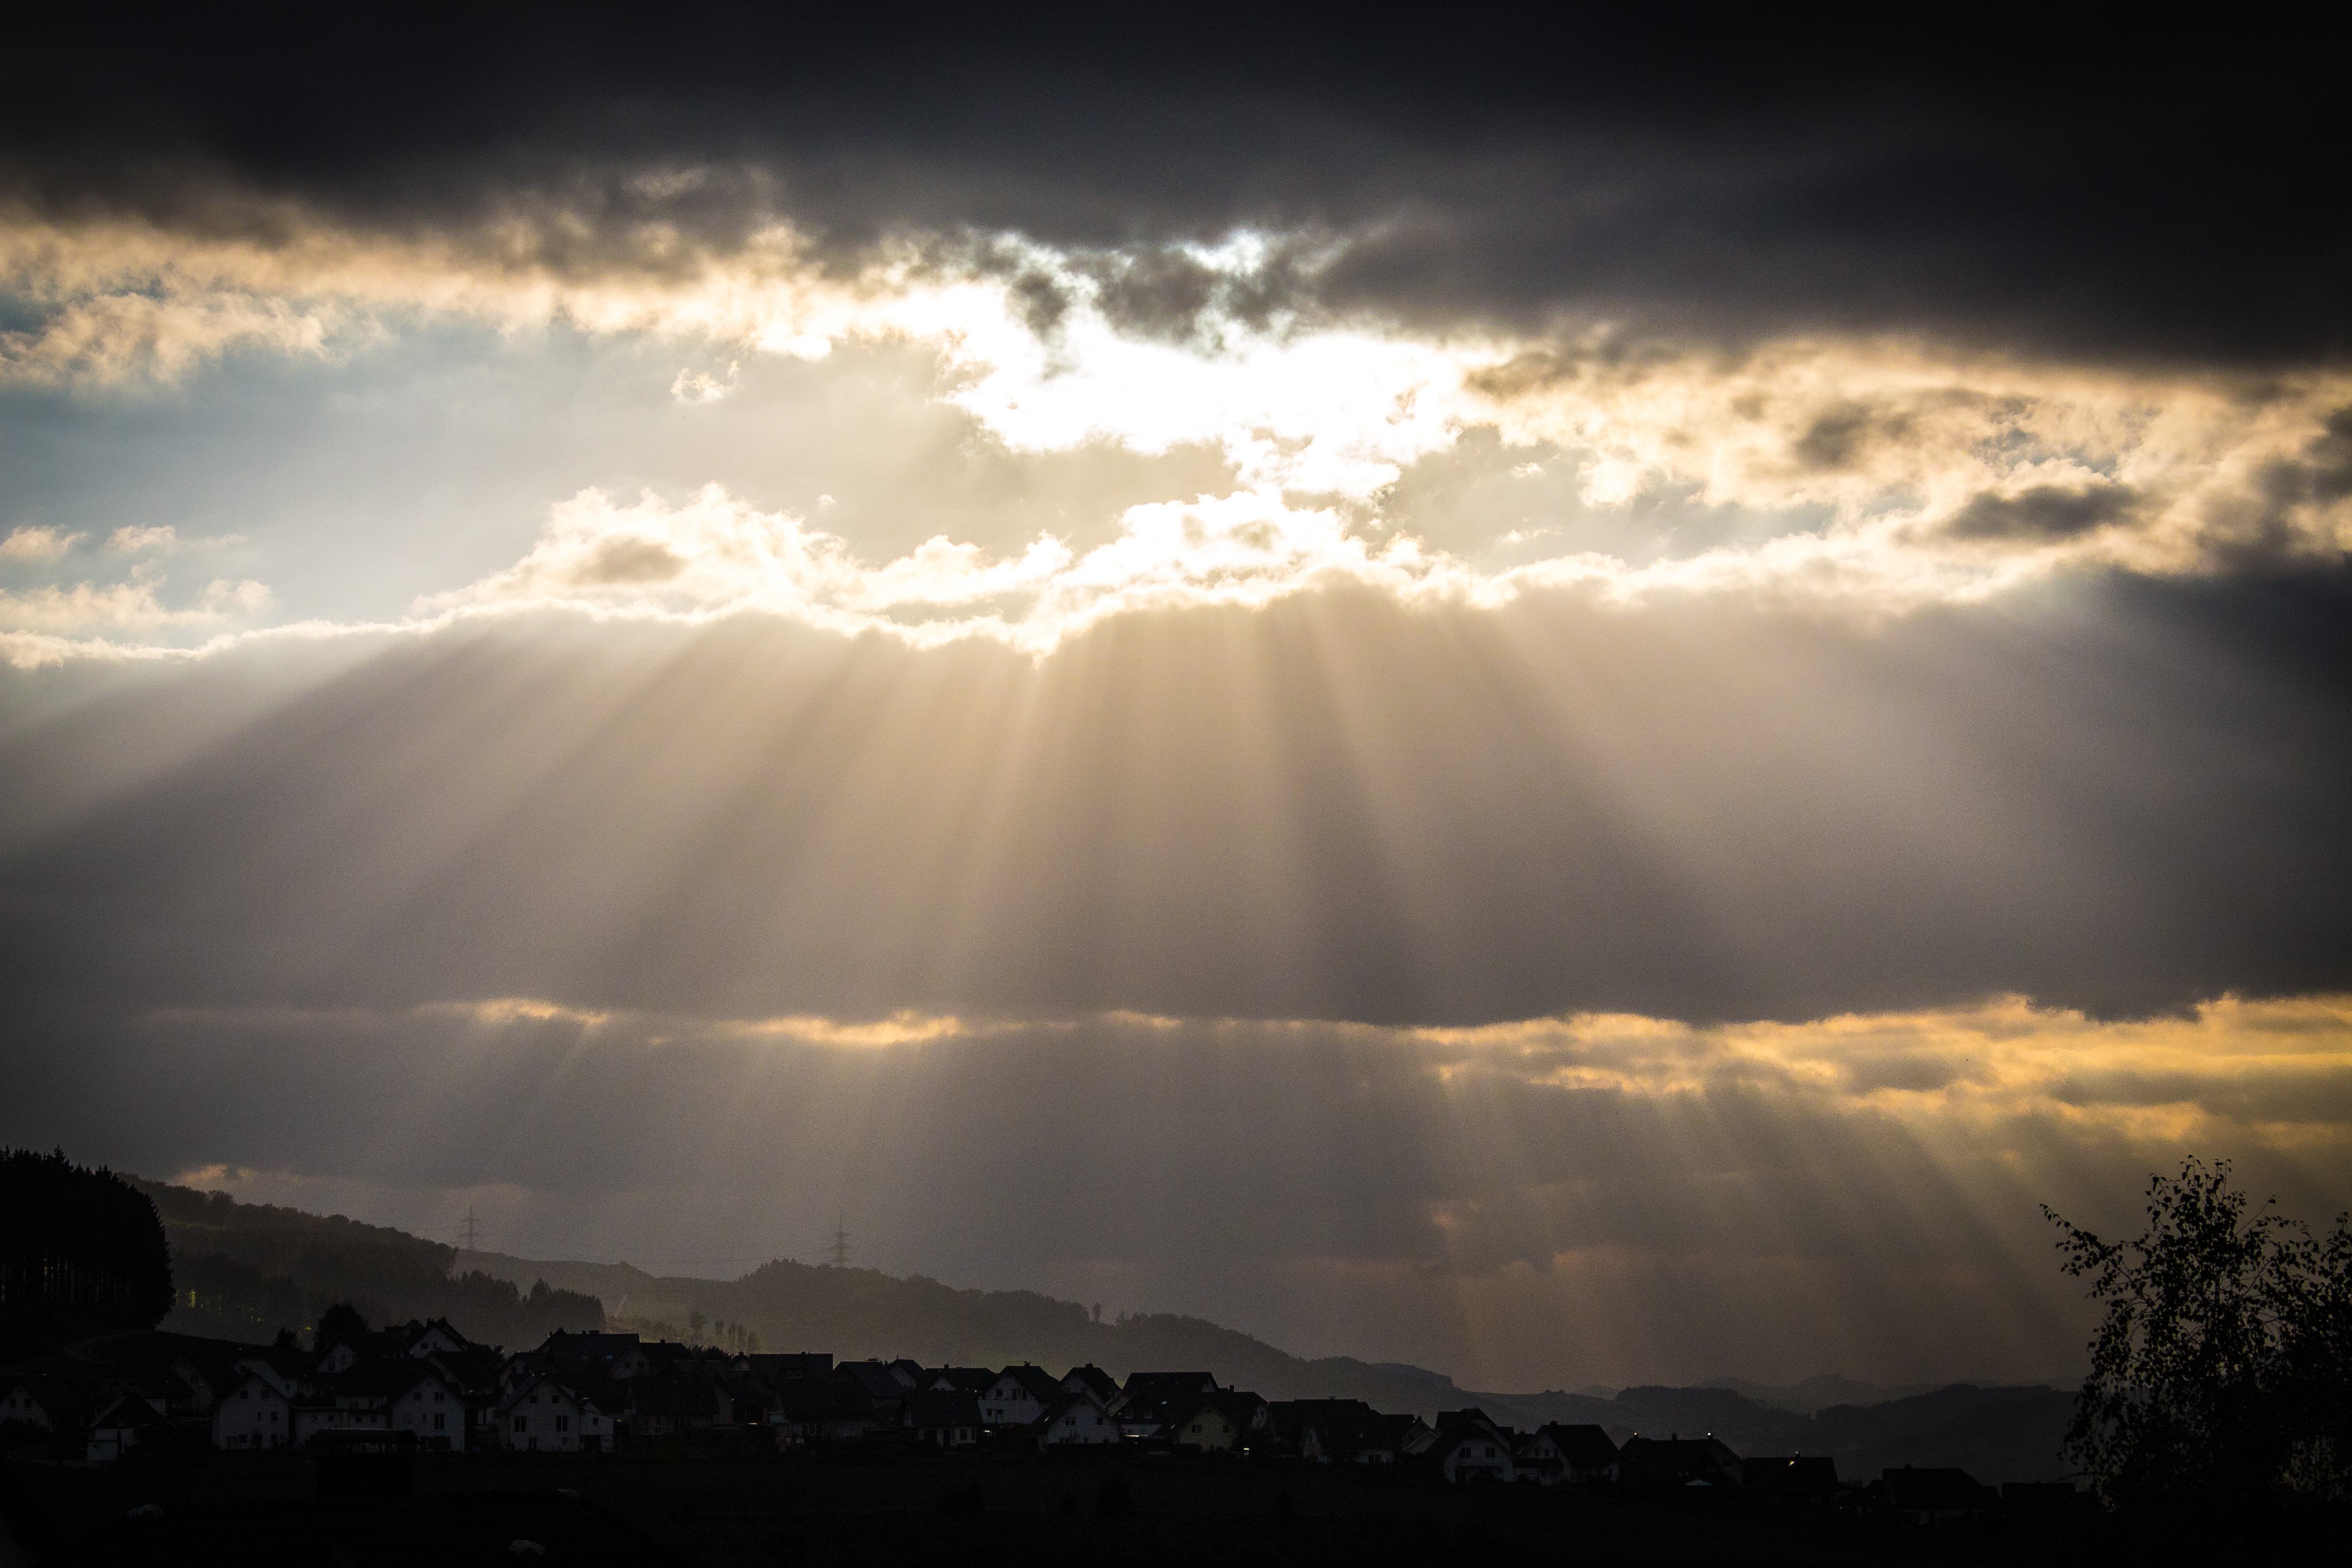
(1879, 475)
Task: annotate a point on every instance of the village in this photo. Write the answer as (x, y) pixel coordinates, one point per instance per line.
(374, 1400)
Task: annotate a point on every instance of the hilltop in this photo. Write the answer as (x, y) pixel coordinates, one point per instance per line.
(243, 1271)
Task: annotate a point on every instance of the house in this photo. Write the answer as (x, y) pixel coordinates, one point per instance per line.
(125, 1420)
(1407, 1436)
(1094, 1380)
(1076, 1421)
(253, 1414)
(1658, 1463)
(359, 1399)
(382, 1344)
(204, 1374)
(1222, 1423)
(1159, 1387)
(885, 1384)
(544, 1416)
(1345, 1432)
(618, 1356)
(1018, 1397)
(434, 1410)
(678, 1406)
(943, 1417)
(439, 1336)
(1471, 1448)
(822, 1411)
(287, 1371)
(1152, 1403)
(1933, 1496)
(969, 1380)
(1587, 1455)
(45, 1402)
(1809, 1480)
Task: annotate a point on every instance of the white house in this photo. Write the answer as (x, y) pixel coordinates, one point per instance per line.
(253, 1414)
(128, 1421)
(432, 1409)
(1474, 1455)
(1018, 1397)
(31, 1406)
(1077, 1422)
(282, 1370)
(544, 1417)
(437, 1337)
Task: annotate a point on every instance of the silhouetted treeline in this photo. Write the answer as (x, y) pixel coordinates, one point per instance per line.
(81, 1252)
(2221, 1374)
(246, 1270)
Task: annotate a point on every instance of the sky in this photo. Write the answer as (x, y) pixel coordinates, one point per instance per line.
(1572, 701)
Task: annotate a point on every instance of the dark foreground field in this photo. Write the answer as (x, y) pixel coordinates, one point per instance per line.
(714, 1510)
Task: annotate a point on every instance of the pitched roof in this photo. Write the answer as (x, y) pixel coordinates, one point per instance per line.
(932, 1409)
(1100, 1383)
(380, 1377)
(60, 1399)
(823, 1399)
(1042, 1385)
(687, 1399)
(1341, 1433)
(1168, 1384)
(879, 1379)
(1053, 1412)
(1584, 1446)
(970, 1379)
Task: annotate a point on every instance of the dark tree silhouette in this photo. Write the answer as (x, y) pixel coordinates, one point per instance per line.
(341, 1321)
(2219, 1373)
(81, 1252)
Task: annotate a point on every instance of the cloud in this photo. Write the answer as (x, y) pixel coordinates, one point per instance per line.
(716, 554)
(1761, 180)
(131, 606)
(2040, 512)
(1880, 473)
(701, 386)
(37, 544)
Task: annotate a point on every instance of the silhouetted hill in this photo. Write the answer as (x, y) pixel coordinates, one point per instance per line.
(243, 1271)
(1817, 1392)
(2011, 1434)
(1997, 1434)
(860, 1312)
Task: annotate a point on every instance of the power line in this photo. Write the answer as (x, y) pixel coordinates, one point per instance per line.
(841, 1242)
(473, 1231)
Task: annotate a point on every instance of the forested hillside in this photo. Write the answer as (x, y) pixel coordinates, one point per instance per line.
(243, 1271)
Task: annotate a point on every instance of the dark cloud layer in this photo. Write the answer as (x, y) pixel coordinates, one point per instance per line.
(2019, 179)
(2124, 796)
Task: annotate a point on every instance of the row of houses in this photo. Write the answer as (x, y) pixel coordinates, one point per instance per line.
(423, 1386)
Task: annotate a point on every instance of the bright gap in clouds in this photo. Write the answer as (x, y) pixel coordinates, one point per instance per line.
(1885, 475)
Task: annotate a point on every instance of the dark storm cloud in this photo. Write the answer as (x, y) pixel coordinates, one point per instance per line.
(2124, 796)
(2045, 512)
(2261, 522)
(2034, 182)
